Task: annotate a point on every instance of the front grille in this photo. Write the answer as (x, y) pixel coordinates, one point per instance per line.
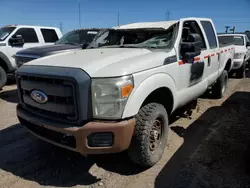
(20, 60)
(61, 104)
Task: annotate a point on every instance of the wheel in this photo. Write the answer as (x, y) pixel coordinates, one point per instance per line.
(3, 77)
(241, 72)
(219, 88)
(150, 135)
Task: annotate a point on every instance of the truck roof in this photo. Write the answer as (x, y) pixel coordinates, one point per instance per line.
(33, 26)
(143, 25)
(232, 34)
(159, 24)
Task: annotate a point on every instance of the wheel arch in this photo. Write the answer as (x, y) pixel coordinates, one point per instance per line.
(155, 88)
(228, 66)
(5, 62)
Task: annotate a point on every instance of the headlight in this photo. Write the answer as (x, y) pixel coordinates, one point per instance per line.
(109, 96)
(238, 55)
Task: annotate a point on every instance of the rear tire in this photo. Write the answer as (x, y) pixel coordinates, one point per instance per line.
(150, 135)
(242, 71)
(3, 77)
(220, 86)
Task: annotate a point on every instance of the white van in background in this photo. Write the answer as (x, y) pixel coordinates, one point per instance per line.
(242, 51)
(14, 38)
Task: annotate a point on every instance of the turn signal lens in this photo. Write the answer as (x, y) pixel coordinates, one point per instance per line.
(126, 90)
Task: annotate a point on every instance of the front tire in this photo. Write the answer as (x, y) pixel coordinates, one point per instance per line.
(150, 135)
(3, 77)
(220, 86)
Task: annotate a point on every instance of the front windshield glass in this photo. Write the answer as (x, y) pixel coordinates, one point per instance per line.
(78, 37)
(135, 38)
(236, 40)
(5, 32)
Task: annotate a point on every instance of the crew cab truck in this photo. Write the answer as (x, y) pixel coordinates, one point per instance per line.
(119, 96)
(17, 37)
(73, 40)
(242, 51)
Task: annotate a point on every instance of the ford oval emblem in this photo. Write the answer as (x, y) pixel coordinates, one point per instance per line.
(39, 96)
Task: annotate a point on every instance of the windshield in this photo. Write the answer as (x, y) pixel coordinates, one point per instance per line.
(79, 37)
(5, 32)
(236, 40)
(136, 38)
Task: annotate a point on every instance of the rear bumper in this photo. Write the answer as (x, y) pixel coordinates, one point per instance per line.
(78, 138)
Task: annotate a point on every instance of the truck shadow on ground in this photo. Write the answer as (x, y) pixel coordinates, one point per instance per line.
(217, 142)
(9, 96)
(29, 158)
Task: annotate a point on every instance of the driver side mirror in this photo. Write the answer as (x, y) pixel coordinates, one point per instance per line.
(248, 44)
(16, 40)
(191, 47)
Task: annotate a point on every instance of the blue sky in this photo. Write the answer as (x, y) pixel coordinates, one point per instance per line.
(103, 13)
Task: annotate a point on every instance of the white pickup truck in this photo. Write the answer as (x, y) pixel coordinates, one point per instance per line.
(14, 38)
(119, 96)
(242, 51)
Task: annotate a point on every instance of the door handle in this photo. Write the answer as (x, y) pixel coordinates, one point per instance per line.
(208, 61)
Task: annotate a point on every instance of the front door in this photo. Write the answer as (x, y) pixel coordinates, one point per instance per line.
(30, 40)
(192, 73)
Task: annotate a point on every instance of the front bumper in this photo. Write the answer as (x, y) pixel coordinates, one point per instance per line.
(237, 63)
(78, 137)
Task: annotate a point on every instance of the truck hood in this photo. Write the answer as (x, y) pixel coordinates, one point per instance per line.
(106, 62)
(42, 51)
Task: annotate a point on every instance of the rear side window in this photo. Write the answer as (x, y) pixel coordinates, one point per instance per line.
(207, 26)
(49, 35)
(29, 35)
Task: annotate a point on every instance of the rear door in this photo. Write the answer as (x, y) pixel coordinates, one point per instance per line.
(213, 51)
(49, 35)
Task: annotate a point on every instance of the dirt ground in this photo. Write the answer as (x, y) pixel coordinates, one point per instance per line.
(210, 149)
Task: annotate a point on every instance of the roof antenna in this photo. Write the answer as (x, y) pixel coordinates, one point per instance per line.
(118, 19)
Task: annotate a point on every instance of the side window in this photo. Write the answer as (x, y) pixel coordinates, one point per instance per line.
(49, 35)
(28, 34)
(192, 27)
(211, 37)
(247, 40)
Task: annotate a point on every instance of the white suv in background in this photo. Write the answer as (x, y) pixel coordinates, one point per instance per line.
(242, 51)
(14, 38)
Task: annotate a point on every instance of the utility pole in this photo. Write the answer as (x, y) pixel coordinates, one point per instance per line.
(61, 27)
(118, 19)
(167, 15)
(227, 27)
(233, 29)
(80, 25)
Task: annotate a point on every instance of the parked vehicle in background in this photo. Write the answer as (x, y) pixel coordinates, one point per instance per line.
(242, 51)
(247, 33)
(73, 40)
(119, 96)
(14, 38)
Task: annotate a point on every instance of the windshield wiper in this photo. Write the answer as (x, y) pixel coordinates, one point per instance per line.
(70, 43)
(124, 46)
